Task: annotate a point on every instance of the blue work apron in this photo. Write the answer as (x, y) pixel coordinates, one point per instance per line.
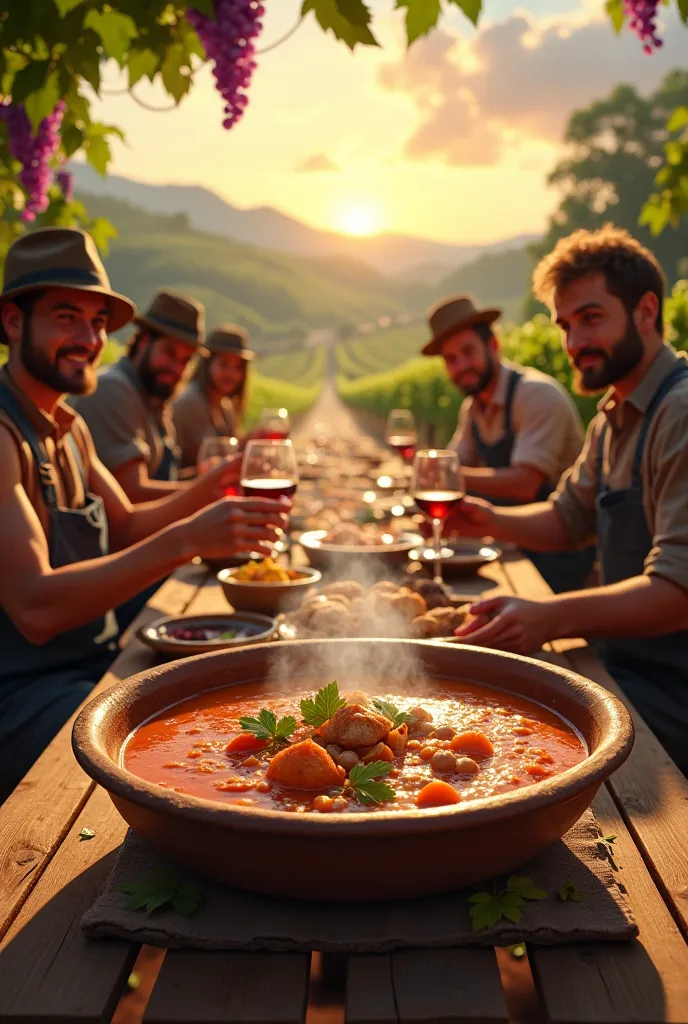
(651, 671)
(42, 685)
(562, 570)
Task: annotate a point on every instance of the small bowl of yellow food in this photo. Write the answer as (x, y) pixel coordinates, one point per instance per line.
(267, 587)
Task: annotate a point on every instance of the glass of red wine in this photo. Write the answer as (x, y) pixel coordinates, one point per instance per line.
(274, 424)
(437, 487)
(269, 470)
(401, 433)
(212, 451)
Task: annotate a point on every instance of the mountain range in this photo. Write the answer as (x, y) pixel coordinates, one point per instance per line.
(268, 228)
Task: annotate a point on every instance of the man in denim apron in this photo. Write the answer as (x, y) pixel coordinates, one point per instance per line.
(72, 546)
(518, 429)
(629, 486)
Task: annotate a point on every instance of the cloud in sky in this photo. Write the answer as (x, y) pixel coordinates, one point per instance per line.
(317, 162)
(517, 80)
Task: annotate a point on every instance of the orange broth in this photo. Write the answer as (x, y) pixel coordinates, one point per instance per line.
(183, 748)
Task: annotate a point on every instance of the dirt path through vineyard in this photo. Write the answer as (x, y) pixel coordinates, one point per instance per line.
(329, 415)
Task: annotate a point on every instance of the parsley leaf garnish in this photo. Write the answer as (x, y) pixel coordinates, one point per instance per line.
(362, 781)
(316, 712)
(86, 833)
(229, 634)
(267, 727)
(389, 710)
(569, 892)
(488, 908)
(163, 889)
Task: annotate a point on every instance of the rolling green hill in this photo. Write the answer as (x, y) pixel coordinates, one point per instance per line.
(497, 279)
(276, 296)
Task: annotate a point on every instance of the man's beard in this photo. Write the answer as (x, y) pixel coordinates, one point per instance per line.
(150, 380)
(624, 357)
(482, 382)
(83, 381)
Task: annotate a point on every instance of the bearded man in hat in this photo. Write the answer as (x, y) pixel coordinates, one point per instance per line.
(130, 418)
(518, 428)
(213, 403)
(73, 546)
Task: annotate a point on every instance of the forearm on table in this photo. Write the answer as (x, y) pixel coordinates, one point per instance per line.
(514, 483)
(538, 527)
(642, 606)
(66, 598)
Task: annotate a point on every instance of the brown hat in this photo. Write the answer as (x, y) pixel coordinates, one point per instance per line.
(449, 316)
(176, 316)
(230, 338)
(61, 258)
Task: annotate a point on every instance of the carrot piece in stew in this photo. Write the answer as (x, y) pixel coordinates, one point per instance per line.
(305, 766)
(245, 741)
(474, 743)
(437, 794)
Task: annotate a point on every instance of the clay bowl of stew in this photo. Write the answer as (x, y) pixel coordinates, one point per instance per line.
(569, 732)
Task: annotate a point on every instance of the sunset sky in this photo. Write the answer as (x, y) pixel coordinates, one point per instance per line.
(451, 141)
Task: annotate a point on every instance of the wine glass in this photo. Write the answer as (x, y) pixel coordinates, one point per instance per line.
(401, 433)
(212, 451)
(437, 487)
(274, 424)
(269, 470)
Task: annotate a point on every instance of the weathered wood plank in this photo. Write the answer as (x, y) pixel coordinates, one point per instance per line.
(438, 985)
(198, 987)
(649, 790)
(639, 982)
(36, 817)
(48, 969)
(370, 991)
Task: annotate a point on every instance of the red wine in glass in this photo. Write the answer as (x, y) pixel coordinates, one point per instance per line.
(273, 435)
(269, 487)
(405, 447)
(437, 504)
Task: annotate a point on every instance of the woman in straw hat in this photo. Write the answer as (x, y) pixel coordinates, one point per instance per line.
(214, 402)
(72, 546)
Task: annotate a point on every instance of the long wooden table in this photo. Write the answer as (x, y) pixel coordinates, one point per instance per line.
(48, 878)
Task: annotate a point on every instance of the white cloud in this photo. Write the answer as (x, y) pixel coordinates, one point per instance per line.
(518, 80)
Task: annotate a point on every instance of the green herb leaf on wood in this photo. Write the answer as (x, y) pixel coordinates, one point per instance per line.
(86, 833)
(569, 892)
(163, 889)
(490, 907)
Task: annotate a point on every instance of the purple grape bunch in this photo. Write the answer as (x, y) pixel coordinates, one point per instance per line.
(34, 152)
(65, 179)
(229, 41)
(642, 18)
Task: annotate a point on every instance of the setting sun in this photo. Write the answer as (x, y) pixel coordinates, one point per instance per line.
(358, 219)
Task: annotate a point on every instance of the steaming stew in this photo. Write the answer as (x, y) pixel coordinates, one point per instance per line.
(257, 747)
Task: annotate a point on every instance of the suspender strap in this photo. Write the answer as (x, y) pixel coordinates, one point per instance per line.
(11, 406)
(679, 373)
(514, 378)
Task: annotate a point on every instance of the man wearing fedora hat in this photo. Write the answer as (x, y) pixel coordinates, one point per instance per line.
(72, 546)
(213, 402)
(518, 429)
(130, 418)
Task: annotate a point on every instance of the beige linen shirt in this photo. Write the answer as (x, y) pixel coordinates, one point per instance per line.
(664, 468)
(194, 418)
(547, 428)
(125, 423)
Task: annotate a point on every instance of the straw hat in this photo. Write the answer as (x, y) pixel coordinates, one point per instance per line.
(61, 258)
(230, 338)
(449, 316)
(175, 316)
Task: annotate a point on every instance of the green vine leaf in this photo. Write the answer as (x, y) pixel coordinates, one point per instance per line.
(115, 29)
(471, 8)
(348, 20)
(142, 63)
(617, 15)
(65, 6)
(421, 17)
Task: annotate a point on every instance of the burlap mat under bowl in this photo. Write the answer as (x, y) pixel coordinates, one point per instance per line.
(232, 919)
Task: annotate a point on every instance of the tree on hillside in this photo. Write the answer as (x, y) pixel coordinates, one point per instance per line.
(614, 149)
